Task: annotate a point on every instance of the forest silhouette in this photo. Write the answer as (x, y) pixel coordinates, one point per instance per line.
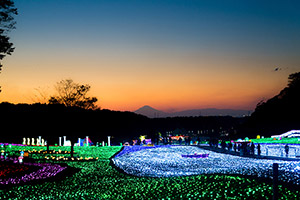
(54, 120)
(275, 116)
(278, 114)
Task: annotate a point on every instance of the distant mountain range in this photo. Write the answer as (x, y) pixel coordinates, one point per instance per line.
(154, 113)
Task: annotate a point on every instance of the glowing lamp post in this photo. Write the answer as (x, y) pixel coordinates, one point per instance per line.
(79, 142)
(108, 140)
(87, 141)
(72, 150)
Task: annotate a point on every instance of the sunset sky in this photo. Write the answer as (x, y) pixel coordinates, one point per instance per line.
(169, 54)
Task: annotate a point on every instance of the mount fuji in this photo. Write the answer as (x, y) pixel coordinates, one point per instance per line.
(154, 113)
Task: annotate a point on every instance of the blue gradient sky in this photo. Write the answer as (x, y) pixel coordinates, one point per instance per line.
(172, 55)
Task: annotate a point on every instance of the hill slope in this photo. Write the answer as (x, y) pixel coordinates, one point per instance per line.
(154, 113)
(280, 113)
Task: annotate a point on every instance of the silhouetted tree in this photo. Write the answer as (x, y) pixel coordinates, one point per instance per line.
(73, 94)
(286, 97)
(7, 23)
(41, 95)
(278, 114)
(294, 80)
(52, 121)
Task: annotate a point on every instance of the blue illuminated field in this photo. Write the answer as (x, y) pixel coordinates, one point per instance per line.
(168, 162)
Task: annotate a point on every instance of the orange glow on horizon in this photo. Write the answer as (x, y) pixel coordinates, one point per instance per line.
(163, 81)
(169, 55)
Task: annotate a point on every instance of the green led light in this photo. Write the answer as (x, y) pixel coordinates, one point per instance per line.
(99, 180)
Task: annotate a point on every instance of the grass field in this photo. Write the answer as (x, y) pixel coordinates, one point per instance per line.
(100, 180)
(277, 141)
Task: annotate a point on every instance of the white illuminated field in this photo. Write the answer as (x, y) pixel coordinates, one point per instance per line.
(168, 162)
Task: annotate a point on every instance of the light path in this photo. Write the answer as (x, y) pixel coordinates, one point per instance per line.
(47, 170)
(168, 162)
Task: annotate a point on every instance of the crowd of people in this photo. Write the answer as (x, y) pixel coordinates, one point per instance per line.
(244, 148)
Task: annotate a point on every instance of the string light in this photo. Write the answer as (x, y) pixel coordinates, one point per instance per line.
(47, 170)
(167, 161)
(100, 180)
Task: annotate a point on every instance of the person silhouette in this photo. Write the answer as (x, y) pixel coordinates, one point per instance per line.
(286, 148)
(252, 147)
(258, 150)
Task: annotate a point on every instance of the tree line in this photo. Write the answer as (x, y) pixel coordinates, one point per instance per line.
(277, 115)
(54, 120)
(66, 116)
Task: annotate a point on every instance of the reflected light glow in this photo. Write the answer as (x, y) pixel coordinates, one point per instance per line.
(168, 162)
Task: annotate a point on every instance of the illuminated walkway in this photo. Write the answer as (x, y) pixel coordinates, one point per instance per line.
(168, 162)
(236, 153)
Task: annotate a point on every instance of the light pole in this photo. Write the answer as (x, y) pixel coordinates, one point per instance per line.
(87, 141)
(108, 140)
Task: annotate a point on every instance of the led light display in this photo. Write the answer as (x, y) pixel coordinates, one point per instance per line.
(168, 162)
(100, 180)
